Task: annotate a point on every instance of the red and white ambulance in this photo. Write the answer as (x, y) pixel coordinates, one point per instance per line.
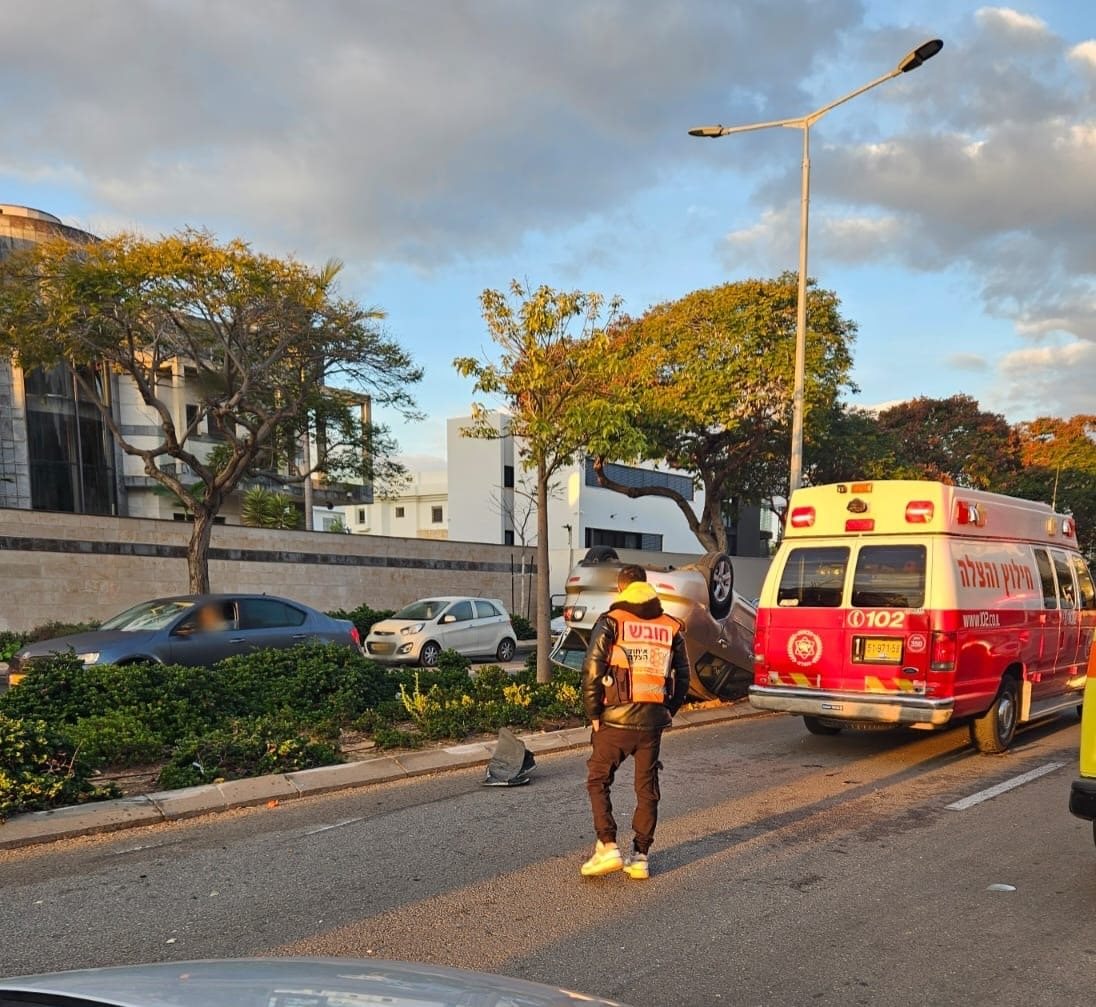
(917, 603)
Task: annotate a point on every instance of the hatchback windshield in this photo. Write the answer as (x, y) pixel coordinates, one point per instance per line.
(422, 611)
(148, 615)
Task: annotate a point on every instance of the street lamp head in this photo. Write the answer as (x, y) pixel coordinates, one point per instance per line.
(915, 57)
(709, 131)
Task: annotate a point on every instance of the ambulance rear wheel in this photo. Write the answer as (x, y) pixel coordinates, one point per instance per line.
(993, 732)
(820, 727)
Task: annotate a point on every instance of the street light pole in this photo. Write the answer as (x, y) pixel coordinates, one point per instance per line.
(913, 59)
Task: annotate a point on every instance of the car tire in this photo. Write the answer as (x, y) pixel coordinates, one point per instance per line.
(819, 727)
(599, 554)
(506, 650)
(718, 573)
(430, 654)
(993, 732)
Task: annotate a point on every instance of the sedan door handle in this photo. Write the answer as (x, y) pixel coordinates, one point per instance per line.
(300, 636)
(236, 639)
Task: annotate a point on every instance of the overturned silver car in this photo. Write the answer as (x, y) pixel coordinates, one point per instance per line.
(719, 623)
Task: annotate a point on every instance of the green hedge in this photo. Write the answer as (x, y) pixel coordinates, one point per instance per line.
(272, 711)
(37, 769)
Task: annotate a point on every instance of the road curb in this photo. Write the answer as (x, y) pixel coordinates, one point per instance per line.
(39, 827)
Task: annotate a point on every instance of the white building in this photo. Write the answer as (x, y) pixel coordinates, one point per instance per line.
(492, 499)
(420, 510)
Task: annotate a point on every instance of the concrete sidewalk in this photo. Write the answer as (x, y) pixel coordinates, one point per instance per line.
(171, 805)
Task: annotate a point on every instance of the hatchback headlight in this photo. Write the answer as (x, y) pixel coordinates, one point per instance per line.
(91, 657)
(412, 630)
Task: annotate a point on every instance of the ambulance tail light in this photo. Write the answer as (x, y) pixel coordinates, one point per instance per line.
(759, 645)
(944, 651)
(802, 517)
(860, 524)
(919, 511)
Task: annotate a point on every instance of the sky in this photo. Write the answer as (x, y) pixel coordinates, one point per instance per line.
(440, 147)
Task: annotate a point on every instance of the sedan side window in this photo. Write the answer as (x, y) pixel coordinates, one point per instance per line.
(461, 611)
(268, 613)
(212, 617)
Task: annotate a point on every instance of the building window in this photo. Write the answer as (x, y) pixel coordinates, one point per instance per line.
(623, 539)
(508, 476)
(637, 478)
(399, 512)
(191, 413)
(508, 537)
(70, 451)
(436, 515)
(361, 515)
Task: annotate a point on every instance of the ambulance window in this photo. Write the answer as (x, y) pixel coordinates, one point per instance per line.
(1046, 575)
(1067, 595)
(889, 576)
(813, 578)
(1084, 583)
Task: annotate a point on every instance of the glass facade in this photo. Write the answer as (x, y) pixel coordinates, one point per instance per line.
(69, 447)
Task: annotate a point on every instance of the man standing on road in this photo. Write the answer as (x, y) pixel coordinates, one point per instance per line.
(634, 679)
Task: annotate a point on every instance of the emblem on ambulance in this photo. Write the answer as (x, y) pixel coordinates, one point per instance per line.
(805, 648)
(916, 643)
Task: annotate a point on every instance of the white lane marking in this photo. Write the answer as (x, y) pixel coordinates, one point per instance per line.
(1001, 788)
(336, 825)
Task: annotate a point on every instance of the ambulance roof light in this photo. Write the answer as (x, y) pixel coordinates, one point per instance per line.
(920, 511)
(802, 517)
(860, 524)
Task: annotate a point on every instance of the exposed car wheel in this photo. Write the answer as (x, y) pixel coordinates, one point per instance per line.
(718, 571)
(993, 732)
(600, 554)
(430, 654)
(820, 727)
(506, 651)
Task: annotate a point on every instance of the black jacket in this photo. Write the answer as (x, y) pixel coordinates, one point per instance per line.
(636, 716)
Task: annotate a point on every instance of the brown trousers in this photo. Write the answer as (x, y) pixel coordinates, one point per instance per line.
(612, 745)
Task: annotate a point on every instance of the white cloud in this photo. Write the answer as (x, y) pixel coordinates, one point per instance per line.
(1047, 380)
(1085, 54)
(413, 132)
(1010, 19)
(984, 169)
(967, 362)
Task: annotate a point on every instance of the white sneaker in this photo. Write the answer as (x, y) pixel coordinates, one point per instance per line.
(638, 868)
(606, 859)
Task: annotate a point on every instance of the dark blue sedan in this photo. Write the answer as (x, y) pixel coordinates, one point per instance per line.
(194, 630)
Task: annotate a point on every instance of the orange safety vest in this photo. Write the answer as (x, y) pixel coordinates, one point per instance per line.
(643, 651)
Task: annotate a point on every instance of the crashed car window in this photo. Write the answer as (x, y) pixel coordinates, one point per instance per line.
(148, 615)
(889, 576)
(813, 578)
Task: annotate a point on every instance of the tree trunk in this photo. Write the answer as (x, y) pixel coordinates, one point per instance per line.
(197, 553)
(544, 598)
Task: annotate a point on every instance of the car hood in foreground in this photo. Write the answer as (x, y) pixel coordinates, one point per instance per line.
(320, 982)
(82, 643)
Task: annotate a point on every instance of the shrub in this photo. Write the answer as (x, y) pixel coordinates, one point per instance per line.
(37, 771)
(118, 738)
(9, 644)
(363, 617)
(247, 748)
(523, 628)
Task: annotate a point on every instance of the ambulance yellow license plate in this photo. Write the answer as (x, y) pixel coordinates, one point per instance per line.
(881, 651)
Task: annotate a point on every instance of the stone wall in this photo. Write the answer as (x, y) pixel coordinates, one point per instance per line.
(78, 567)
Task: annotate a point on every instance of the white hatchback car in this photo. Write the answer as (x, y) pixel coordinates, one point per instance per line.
(417, 634)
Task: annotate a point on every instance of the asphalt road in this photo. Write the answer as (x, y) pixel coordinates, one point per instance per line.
(789, 870)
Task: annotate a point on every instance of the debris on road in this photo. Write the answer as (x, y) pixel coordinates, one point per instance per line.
(512, 763)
